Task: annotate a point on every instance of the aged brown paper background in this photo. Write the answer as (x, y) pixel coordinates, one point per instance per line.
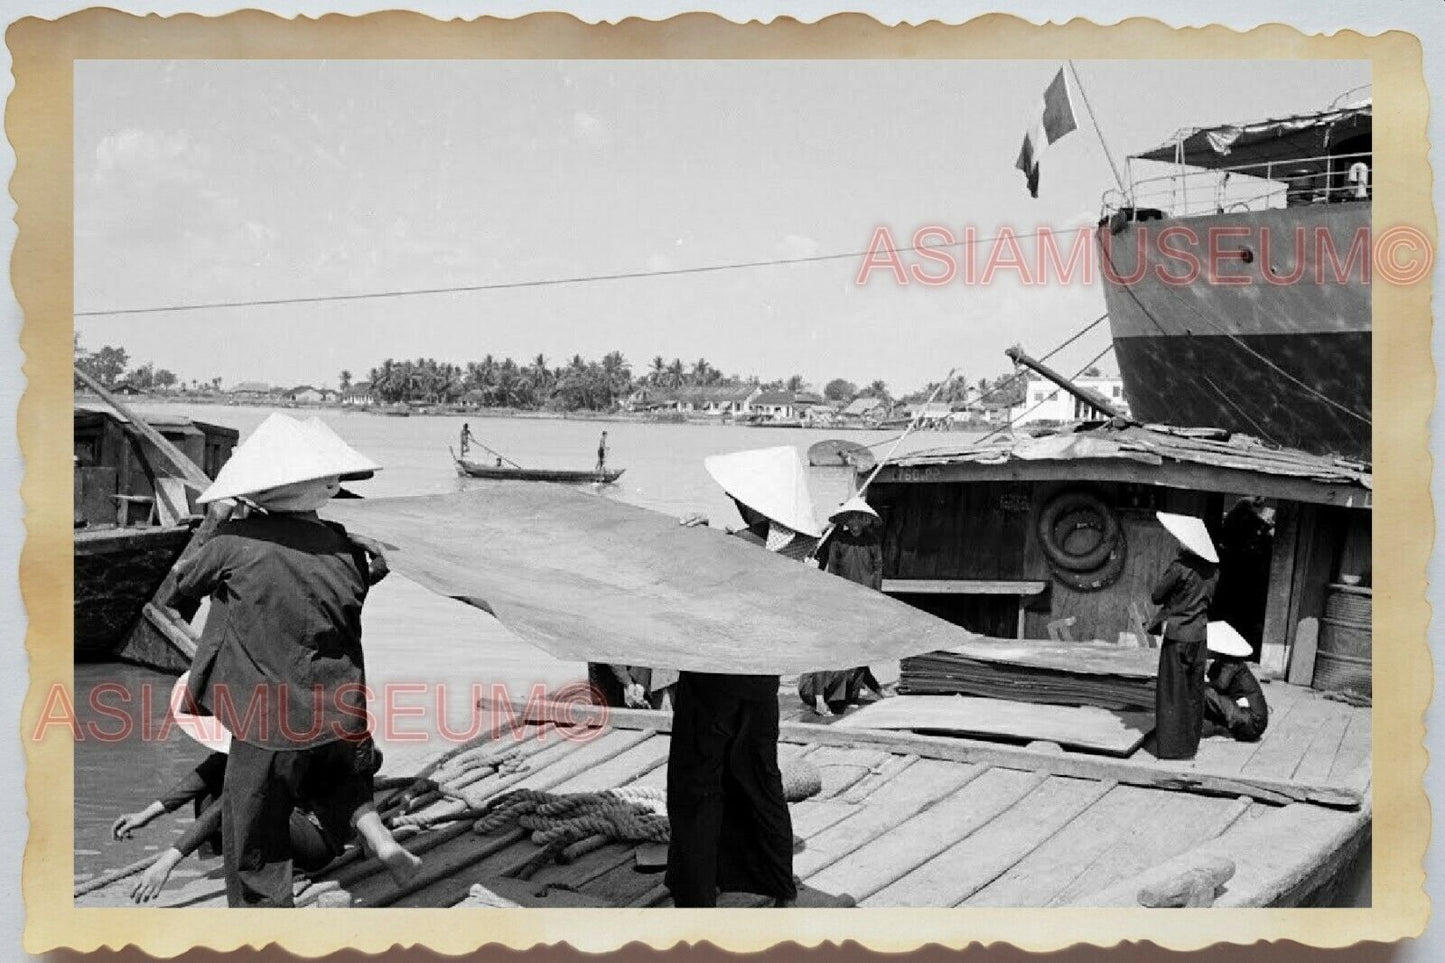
(39, 125)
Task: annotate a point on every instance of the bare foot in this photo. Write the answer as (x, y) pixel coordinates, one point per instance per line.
(402, 864)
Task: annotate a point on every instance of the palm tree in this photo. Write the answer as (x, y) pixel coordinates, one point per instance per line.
(658, 370)
(344, 380)
(676, 373)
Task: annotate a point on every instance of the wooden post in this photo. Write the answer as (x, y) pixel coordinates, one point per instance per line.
(1278, 616)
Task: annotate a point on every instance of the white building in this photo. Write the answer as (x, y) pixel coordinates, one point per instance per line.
(1046, 401)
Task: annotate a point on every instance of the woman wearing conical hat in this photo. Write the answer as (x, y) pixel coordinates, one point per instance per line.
(279, 663)
(855, 552)
(1233, 701)
(1183, 594)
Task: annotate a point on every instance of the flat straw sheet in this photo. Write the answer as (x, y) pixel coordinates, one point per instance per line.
(586, 577)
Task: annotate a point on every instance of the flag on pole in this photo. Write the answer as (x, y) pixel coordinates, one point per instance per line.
(1056, 120)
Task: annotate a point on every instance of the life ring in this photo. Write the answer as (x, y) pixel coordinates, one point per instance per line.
(1102, 577)
(1077, 510)
(1090, 570)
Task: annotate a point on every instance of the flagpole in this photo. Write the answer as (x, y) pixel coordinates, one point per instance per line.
(1097, 132)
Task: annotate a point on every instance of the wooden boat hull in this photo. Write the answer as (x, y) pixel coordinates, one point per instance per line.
(558, 475)
(116, 571)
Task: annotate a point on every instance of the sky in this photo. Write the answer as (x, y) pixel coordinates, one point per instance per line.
(199, 182)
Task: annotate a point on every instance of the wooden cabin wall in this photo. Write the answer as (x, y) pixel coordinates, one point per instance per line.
(1149, 548)
(957, 531)
(987, 531)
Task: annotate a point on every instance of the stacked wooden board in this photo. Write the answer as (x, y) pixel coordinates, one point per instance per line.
(1089, 728)
(1028, 670)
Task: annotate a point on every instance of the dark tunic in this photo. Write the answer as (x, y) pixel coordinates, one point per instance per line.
(279, 662)
(1183, 595)
(730, 825)
(858, 558)
(1230, 681)
(280, 665)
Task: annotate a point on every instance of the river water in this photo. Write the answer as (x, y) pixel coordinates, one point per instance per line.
(412, 637)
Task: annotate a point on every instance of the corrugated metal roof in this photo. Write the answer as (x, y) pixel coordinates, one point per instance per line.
(1154, 445)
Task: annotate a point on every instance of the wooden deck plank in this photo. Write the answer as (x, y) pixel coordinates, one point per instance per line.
(841, 767)
(623, 770)
(812, 816)
(1279, 857)
(911, 791)
(1320, 756)
(1226, 756)
(1282, 749)
(1035, 879)
(1352, 762)
(622, 885)
(897, 852)
(890, 770)
(1080, 765)
(1174, 825)
(973, 862)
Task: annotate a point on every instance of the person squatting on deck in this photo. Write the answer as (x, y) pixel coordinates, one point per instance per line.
(853, 551)
(731, 830)
(631, 686)
(280, 663)
(1233, 700)
(1183, 594)
(313, 844)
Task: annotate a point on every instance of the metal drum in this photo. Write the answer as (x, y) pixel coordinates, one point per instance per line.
(1342, 659)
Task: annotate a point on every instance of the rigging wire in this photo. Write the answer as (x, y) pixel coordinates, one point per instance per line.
(541, 282)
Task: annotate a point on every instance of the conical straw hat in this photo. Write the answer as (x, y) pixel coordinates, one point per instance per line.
(207, 730)
(1191, 533)
(854, 506)
(770, 481)
(283, 451)
(1224, 640)
(345, 454)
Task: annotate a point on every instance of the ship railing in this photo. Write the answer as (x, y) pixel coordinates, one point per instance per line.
(1195, 191)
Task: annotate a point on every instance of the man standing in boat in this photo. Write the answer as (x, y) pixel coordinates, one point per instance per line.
(853, 551)
(466, 440)
(602, 454)
(1183, 594)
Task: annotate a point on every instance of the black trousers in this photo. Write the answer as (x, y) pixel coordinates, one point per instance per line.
(1241, 723)
(730, 825)
(1179, 699)
(263, 787)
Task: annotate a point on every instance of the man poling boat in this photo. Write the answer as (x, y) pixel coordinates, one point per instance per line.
(505, 469)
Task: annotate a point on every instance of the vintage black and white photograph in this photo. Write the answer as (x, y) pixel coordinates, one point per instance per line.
(724, 483)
